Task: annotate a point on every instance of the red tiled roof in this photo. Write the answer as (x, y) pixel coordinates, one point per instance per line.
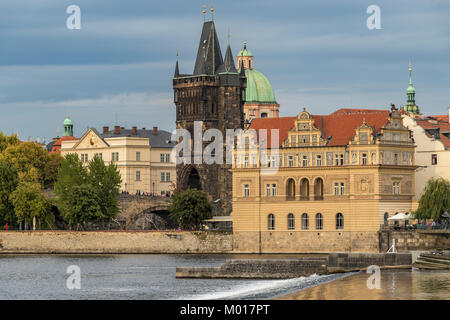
(443, 126)
(56, 148)
(283, 124)
(443, 118)
(340, 125)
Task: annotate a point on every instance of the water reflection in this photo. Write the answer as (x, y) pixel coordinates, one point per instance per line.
(395, 285)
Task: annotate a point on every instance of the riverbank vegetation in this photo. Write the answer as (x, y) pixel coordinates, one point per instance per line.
(34, 184)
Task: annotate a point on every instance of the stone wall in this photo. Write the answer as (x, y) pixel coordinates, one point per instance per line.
(114, 242)
(304, 242)
(293, 268)
(415, 240)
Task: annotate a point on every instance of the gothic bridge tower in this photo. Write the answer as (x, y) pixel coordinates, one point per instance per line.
(213, 94)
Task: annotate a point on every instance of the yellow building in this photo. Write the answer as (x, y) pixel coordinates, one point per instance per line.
(328, 183)
(142, 156)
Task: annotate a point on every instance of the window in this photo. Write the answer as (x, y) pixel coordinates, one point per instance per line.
(364, 159)
(305, 221)
(396, 187)
(267, 190)
(115, 156)
(271, 222)
(291, 161)
(339, 221)
(342, 188)
(168, 157)
(274, 190)
(396, 158)
(319, 160)
(291, 221)
(246, 190)
(99, 155)
(138, 156)
(163, 177)
(339, 159)
(434, 159)
(167, 176)
(138, 175)
(162, 157)
(84, 158)
(246, 162)
(304, 161)
(319, 221)
(336, 188)
(386, 216)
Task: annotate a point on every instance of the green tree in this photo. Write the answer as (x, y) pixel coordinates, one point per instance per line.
(25, 156)
(82, 206)
(8, 183)
(190, 208)
(435, 199)
(102, 184)
(106, 180)
(29, 202)
(6, 141)
(51, 169)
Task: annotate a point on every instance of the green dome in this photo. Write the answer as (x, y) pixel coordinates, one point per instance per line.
(410, 89)
(259, 88)
(245, 53)
(68, 122)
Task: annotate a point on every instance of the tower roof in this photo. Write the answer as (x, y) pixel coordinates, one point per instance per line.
(244, 52)
(228, 64)
(68, 122)
(209, 56)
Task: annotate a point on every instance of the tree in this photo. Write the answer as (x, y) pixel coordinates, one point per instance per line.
(8, 183)
(51, 169)
(82, 206)
(102, 185)
(6, 141)
(435, 199)
(29, 202)
(25, 156)
(106, 180)
(190, 208)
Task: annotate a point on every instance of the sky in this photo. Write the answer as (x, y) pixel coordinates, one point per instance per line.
(118, 68)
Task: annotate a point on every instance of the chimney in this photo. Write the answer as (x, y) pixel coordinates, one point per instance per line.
(134, 130)
(155, 131)
(116, 129)
(105, 130)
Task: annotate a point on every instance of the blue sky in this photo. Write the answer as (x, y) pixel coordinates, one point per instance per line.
(317, 54)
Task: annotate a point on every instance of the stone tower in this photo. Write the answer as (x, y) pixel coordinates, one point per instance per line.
(213, 94)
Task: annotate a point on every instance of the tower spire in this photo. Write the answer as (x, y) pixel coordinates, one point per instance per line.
(177, 70)
(411, 106)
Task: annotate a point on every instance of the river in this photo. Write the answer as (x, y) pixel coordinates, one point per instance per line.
(150, 277)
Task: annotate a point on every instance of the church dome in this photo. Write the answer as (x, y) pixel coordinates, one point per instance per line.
(68, 122)
(259, 88)
(410, 89)
(245, 53)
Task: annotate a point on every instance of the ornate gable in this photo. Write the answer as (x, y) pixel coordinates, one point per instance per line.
(304, 133)
(91, 140)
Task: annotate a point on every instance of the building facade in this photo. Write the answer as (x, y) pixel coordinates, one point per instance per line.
(325, 183)
(260, 99)
(432, 137)
(213, 96)
(142, 156)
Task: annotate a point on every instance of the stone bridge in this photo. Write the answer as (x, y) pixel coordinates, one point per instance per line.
(144, 212)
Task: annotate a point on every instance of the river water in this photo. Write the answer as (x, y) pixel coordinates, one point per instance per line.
(145, 277)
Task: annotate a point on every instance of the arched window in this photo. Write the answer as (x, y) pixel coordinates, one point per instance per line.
(304, 189)
(319, 221)
(291, 221)
(305, 221)
(339, 221)
(290, 189)
(386, 216)
(263, 115)
(318, 189)
(271, 222)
